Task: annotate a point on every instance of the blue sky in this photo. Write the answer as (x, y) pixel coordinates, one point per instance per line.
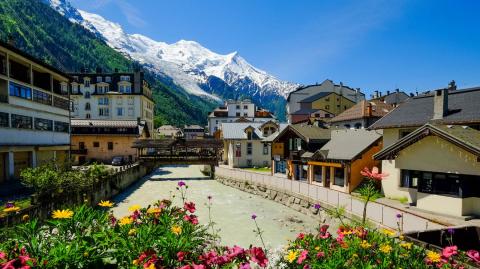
(373, 45)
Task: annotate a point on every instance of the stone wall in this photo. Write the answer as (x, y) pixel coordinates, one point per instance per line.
(42, 206)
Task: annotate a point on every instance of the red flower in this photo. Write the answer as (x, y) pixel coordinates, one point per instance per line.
(257, 255)
(236, 251)
(190, 207)
(320, 254)
(181, 256)
(300, 236)
(302, 257)
(374, 174)
(474, 255)
(447, 252)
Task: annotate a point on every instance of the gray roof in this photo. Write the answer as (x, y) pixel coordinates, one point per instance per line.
(315, 97)
(304, 111)
(271, 137)
(347, 144)
(236, 130)
(463, 106)
(311, 133)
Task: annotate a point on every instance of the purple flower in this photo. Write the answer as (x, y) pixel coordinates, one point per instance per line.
(317, 206)
(181, 184)
(451, 230)
(254, 216)
(9, 204)
(399, 216)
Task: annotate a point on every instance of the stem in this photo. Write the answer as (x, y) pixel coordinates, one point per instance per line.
(259, 232)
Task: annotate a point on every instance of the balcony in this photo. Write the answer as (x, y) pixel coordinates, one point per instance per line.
(3, 98)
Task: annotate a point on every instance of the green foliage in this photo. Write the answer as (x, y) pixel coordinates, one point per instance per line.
(50, 177)
(42, 32)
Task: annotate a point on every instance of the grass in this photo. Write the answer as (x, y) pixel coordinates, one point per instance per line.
(259, 169)
(22, 203)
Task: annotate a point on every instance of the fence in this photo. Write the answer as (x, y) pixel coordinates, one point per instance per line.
(378, 213)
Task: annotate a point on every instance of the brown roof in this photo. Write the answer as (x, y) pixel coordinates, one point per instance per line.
(360, 110)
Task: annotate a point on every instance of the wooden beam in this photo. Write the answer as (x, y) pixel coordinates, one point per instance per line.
(325, 164)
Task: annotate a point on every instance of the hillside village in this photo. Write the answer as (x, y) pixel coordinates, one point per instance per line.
(394, 172)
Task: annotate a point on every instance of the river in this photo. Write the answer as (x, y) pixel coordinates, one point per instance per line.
(231, 208)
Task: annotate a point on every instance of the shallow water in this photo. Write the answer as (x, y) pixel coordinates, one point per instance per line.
(231, 208)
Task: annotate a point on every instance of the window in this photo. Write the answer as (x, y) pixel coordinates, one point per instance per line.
(42, 97)
(237, 114)
(108, 79)
(99, 79)
(409, 179)
(87, 95)
(347, 126)
(43, 124)
(249, 135)
(249, 163)
(130, 111)
(4, 120)
(21, 122)
(61, 103)
(238, 106)
(327, 99)
(87, 106)
(128, 89)
(119, 100)
(130, 100)
(456, 185)
(238, 150)
(61, 127)
(103, 111)
(245, 107)
(81, 145)
(102, 89)
(96, 144)
(249, 148)
(88, 116)
(317, 173)
(295, 144)
(110, 145)
(245, 114)
(20, 91)
(358, 125)
(119, 111)
(327, 107)
(124, 78)
(103, 101)
(339, 176)
(86, 82)
(265, 149)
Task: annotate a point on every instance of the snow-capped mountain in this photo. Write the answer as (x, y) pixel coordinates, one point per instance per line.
(190, 65)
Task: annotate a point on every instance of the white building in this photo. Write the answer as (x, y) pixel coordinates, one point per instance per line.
(294, 97)
(34, 113)
(234, 111)
(245, 143)
(193, 132)
(112, 96)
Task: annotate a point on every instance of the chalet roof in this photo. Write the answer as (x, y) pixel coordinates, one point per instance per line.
(393, 98)
(309, 133)
(360, 110)
(462, 136)
(463, 106)
(237, 130)
(315, 97)
(304, 111)
(347, 144)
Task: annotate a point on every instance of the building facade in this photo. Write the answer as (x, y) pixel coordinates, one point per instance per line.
(169, 131)
(245, 144)
(34, 113)
(191, 132)
(431, 151)
(101, 140)
(361, 115)
(112, 96)
(234, 111)
(346, 98)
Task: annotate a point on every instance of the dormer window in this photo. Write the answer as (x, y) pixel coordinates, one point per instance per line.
(108, 79)
(99, 79)
(87, 95)
(124, 78)
(86, 82)
(249, 135)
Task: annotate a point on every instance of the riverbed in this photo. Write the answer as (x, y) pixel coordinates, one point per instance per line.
(231, 210)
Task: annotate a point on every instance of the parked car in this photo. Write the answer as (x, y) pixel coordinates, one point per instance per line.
(118, 161)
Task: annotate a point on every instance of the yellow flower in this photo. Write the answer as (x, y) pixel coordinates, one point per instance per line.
(25, 217)
(388, 232)
(433, 256)
(385, 248)
(406, 245)
(62, 214)
(347, 232)
(365, 244)
(11, 209)
(401, 237)
(135, 262)
(176, 229)
(132, 232)
(154, 210)
(134, 208)
(317, 248)
(105, 203)
(355, 255)
(125, 221)
(151, 266)
(85, 254)
(291, 256)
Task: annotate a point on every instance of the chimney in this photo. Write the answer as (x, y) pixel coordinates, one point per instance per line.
(388, 92)
(440, 104)
(397, 90)
(452, 86)
(369, 109)
(376, 94)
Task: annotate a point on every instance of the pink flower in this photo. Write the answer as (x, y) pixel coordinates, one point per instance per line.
(474, 255)
(244, 266)
(3, 256)
(306, 266)
(302, 257)
(190, 207)
(320, 254)
(257, 255)
(180, 256)
(198, 266)
(191, 218)
(300, 236)
(235, 252)
(185, 267)
(447, 252)
(374, 174)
